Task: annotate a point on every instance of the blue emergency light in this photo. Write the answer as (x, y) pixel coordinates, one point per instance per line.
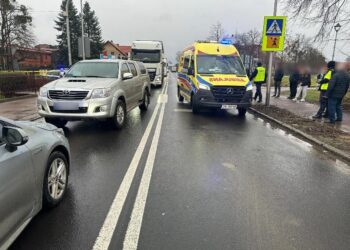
(227, 40)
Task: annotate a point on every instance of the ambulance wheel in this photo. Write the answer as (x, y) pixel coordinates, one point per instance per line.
(242, 112)
(179, 96)
(195, 106)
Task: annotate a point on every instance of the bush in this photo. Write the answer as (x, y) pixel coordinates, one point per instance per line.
(12, 83)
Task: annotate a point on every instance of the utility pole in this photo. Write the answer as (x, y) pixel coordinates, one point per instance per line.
(82, 29)
(336, 28)
(269, 77)
(68, 35)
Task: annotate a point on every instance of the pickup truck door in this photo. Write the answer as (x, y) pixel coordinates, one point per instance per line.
(17, 188)
(128, 87)
(138, 84)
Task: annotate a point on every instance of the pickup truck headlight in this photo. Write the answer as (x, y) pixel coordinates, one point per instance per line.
(100, 93)
(204, 86)
(43, 92)
(249, 86)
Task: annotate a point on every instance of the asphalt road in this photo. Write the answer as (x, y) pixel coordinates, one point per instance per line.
(174, 180)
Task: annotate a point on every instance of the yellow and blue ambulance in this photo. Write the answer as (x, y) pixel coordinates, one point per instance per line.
(212, 75)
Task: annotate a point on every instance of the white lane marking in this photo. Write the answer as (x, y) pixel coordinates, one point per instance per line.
(134, 227)
(183, 110)
(133, 232)
(106, 232)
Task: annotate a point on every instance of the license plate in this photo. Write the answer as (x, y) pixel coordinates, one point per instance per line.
(66, 106)
(228, 106)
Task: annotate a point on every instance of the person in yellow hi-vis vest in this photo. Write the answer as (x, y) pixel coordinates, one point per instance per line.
(259, 78)
(323, 111)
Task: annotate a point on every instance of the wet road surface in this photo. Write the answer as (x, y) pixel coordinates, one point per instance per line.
(174, 180)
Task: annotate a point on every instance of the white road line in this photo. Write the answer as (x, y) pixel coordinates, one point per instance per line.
(105, 236)
(134, 227)
(183, 110)
(133, 232)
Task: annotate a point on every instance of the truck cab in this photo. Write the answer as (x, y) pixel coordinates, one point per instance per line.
(212, 75)
(151, 53)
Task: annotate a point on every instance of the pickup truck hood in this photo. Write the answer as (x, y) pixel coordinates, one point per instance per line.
(81, 83)
(223, 80)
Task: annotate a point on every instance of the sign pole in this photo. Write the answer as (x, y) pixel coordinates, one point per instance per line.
(269, 78)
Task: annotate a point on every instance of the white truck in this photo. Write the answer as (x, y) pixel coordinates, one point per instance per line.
(151, 53)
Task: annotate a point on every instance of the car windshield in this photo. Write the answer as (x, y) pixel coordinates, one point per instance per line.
(219, 64)
(94, 69)
(146, 56)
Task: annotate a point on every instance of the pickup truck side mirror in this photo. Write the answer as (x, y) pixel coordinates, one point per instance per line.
(14, 137)
(127, 76)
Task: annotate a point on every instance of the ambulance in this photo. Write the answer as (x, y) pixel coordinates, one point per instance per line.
(212, 75)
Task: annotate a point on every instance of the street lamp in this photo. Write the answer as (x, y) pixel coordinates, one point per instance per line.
(82, 29)
(336, 28)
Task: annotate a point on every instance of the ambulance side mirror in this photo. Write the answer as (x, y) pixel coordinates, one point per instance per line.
(190, 71)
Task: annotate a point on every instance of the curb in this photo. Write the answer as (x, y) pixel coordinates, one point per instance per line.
(17, 98)
(326, 146)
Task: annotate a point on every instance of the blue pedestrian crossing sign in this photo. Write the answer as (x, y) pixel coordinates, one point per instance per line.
(274, 33)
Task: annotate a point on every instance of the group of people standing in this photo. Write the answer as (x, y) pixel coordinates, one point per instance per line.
(333, 83)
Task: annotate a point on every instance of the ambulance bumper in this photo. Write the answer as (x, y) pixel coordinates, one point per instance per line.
(205, 99)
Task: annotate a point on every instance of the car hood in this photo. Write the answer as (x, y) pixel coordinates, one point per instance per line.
(26, 125)
(81, 83)
(223, 80)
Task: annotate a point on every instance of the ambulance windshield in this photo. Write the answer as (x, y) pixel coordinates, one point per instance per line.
(219, 64)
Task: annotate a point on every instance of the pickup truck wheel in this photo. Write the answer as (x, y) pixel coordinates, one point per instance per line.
(55, 180)
(57, 122)
(242, 112)
(118, 120)
(145, 102)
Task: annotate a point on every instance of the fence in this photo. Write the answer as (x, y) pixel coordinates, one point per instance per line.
(17, 83)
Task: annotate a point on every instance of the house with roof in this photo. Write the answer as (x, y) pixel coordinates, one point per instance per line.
(115, 50)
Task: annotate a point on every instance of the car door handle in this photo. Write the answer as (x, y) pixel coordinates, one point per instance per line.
(37, 150)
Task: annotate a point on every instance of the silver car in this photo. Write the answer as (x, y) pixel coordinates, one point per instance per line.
(96, 89)
(34, 168)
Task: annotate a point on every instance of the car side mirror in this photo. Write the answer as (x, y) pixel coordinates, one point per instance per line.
(127, 76)
(190, 71)
(14, 137)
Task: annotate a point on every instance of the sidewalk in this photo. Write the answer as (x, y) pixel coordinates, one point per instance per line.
(307, 110)
(23, 109)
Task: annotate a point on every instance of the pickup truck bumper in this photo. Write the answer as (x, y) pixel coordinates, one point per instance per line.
(76, 110)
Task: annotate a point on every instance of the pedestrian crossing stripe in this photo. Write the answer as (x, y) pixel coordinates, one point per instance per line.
(274, 27)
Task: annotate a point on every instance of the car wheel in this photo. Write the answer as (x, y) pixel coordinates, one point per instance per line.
(242, 112)
(118, 120)
(145, 101)
(55, 180)
(57, 122)
(179, 96)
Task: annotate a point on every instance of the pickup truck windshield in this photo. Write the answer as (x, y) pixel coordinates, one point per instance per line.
(218, 64)
(146, 56)
(94, 69)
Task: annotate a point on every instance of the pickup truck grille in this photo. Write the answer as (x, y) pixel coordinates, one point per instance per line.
(228, 94)
(67, 95)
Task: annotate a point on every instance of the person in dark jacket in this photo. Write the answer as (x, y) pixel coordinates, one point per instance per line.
(323, 110)
(279, 73)
(305, 83)
(294, 79)
(337, 89)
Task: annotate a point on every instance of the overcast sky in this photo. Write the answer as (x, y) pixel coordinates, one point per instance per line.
(177, 23)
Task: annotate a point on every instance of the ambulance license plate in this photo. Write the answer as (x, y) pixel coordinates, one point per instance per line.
(228, 106)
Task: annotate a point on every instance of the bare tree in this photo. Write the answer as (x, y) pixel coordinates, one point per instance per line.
(216, 32)
(15, 30)
(324, 13)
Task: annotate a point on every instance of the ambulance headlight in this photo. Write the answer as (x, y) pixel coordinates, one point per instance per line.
(249, 86)
(203, 86)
